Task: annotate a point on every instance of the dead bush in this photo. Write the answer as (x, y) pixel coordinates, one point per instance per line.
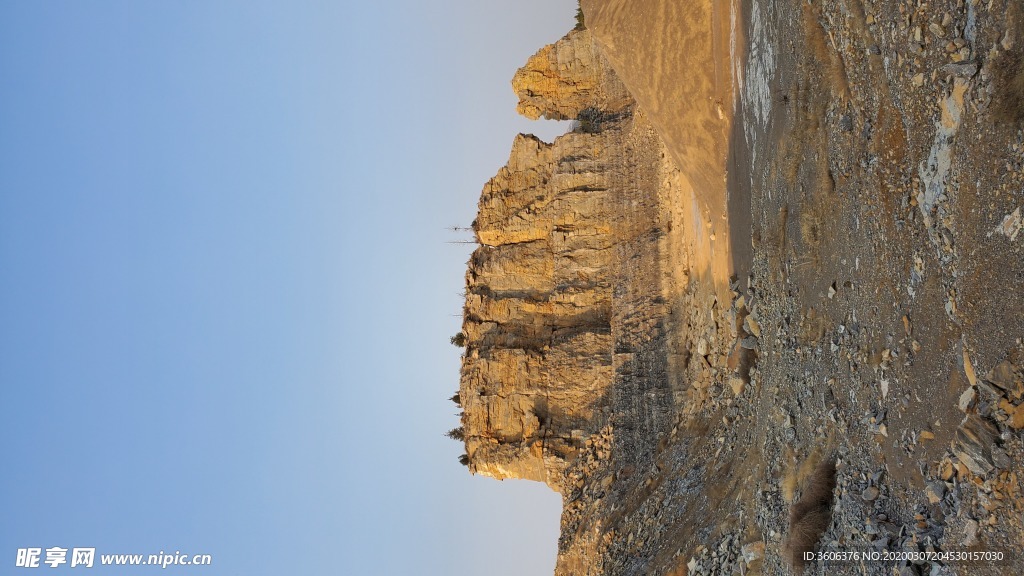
(812, 513)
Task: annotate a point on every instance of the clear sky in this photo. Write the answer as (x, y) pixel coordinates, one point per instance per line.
(225, 288)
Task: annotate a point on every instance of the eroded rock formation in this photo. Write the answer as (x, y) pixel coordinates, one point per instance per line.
(538, 309)
(567, 79)
(569, 235)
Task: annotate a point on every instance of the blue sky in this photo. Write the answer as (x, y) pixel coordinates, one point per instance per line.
(225, 288)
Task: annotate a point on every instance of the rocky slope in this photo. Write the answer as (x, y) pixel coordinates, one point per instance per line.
(772, 280)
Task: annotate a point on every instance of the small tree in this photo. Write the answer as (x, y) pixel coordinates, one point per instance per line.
(457, 398)
(458, 340)
(457, 434)
(580, 25)
(464, 459)
(590, 120)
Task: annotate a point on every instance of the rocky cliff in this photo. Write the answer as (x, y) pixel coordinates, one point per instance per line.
(765, 296)
(548, 288)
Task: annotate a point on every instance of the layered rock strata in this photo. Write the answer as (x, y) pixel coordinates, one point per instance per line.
(567, 272)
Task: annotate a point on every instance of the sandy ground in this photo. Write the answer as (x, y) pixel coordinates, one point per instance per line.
(651, 45)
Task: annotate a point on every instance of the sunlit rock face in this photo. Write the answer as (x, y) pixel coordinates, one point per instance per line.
(537, 312)
(564, 79)
(538, 308)
(567, 232)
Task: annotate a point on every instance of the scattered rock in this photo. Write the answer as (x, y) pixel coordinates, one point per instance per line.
(961, 69)
(1000, 458)
(972, 377)
(966, 399)
(946, 470)
(869, 494)
(752, 326)
(973, 445)
(970, 533)
(1016, 420)
(1011, 225)
(1003, 376)
(935, 491)
(737, 384)
(752, 551)
(988, 391)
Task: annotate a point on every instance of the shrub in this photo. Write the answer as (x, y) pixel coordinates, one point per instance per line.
(457, 399)
(458, 340)
(464, 459)
(593, 120)
(812, 514)
(457, 434)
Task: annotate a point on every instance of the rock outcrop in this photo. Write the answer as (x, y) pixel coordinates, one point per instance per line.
(552, 293)
(568, 79)
(538, 309)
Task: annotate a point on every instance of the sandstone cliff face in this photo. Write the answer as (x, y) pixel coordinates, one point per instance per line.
(538, 306)
(568, 78)
(551, 291)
